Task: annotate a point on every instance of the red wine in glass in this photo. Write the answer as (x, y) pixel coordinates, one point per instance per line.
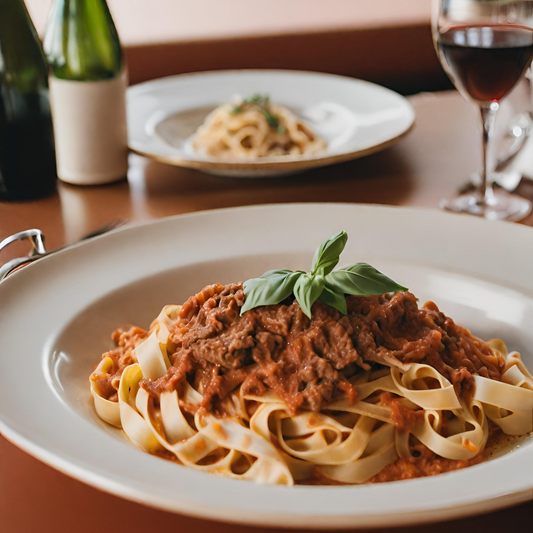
(486, 62)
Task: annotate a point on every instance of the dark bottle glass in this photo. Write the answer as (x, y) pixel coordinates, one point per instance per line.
(27, 156)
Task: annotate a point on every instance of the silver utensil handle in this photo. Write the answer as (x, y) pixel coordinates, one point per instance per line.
(38, 250)
(36, 238)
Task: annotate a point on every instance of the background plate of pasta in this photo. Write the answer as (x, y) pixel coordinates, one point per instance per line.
(301, 379)
(259, 123)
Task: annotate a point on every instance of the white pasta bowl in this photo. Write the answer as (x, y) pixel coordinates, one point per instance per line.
(478, 272)
(355, 117)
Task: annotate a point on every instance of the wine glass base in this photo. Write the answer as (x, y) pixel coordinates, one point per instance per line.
(501, 206)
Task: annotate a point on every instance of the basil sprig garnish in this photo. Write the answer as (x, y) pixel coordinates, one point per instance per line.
(320, 283)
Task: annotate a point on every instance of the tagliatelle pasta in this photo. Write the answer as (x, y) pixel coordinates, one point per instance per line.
(255, 129)
(258, 436)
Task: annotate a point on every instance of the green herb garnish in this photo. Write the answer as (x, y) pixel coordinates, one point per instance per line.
(321, 283)
(262, 103)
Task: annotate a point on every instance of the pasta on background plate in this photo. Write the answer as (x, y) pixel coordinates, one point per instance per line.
(276, 382)
(255, 128)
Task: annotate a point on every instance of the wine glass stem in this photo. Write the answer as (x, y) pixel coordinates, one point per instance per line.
(488, 116)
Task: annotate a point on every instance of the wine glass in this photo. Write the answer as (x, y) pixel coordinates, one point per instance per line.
(485, 46)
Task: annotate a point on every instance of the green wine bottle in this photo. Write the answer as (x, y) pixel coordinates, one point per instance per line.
(27, 158)
(87, 87)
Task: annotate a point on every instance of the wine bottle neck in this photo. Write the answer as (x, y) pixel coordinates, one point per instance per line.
(14, 21)
(13, 8)
(22, 61)
(81, 42)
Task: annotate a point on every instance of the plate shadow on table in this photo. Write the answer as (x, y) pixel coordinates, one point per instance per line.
(383, 178)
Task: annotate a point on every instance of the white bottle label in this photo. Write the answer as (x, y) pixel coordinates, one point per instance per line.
(90, 129)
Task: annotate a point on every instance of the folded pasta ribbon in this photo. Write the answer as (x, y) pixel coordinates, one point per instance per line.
(105, 409)
(508, 403)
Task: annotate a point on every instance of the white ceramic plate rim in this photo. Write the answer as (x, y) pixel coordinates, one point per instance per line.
(72, 445)
(151, 146)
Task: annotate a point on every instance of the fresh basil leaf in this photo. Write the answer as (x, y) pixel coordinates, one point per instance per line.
(334, 299)
(327, 255)
(361, 279)
(269, 289)
(307, 289)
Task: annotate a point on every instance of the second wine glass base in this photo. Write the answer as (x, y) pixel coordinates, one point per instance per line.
(501, 206)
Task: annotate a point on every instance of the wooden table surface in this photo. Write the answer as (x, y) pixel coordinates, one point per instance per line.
(430, 163)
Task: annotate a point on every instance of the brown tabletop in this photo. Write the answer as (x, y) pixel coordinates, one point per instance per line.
(430, 163)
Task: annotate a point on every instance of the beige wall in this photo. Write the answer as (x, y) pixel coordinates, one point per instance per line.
(157, 21)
